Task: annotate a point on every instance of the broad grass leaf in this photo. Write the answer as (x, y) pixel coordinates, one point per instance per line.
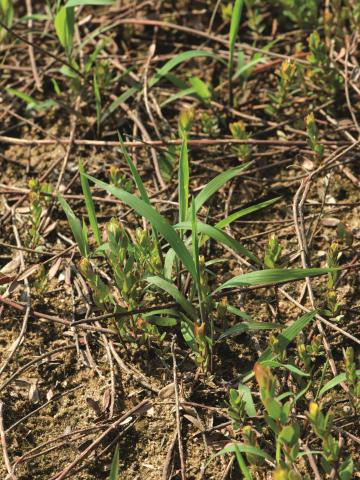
(245, 449)
(76, 3)
(247, 399)
(276, 275)
(177, 60)
(64, 26)
(334, 382)
(175, 293)
(75, 226)
(242, 327)
(220, 237)
(245, 211)
(216, 183)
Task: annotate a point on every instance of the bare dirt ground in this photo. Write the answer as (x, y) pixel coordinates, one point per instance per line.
(70, 392)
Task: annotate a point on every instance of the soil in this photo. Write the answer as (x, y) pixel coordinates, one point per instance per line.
(53, 410)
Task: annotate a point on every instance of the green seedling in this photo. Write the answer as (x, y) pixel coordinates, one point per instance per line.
(352, 379)
(255, 17)
(238, 131)
(312, 134)
(278, 418)
(287, 82)
(210, 124)
(333, 307)
(322, 72)
(272, 253)
(302, 13)
(308, 353)
(119, 180)
(234, 28)
(330, 455)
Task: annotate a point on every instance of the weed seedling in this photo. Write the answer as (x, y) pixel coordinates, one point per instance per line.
(330, 455)
(286, 84)
(312, 134)
(238, 131)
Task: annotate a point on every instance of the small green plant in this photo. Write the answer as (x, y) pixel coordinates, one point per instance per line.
(119, 180)
(272, 253)
(210, 124)
(303, 13)
(322, 72)
(287, 82)
(308, 353)
(330, 457)
(238, 131)
(333, 307)
(352, 379)
(278, 418)
(312, 134)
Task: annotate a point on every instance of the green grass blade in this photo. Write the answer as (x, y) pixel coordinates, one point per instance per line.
(247, 399)
(114, 470)
(162, 72)
(75, 226)
(334, 382)
(64, 26)
(241, 462)
(242, 327)
(245, 449)
(288, 335)
(183, 180)
(177, 60)
(140, 186)
(76, 3)
(134, 172)
(89, 204)
(220, 237)
(174, 292)
(176, 96)
(245, 211)
(216, 183)
(156, 220)
(276, 275)
(234, 28)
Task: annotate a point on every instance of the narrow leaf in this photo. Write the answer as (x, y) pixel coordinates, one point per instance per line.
(172, 290)
(216, 183)
(242, 327)
(75, 226)
(220, 237)
(183, 180)
(276, 275)
(245, 211)
(114, 471)
(89, 204)
(334, 382)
